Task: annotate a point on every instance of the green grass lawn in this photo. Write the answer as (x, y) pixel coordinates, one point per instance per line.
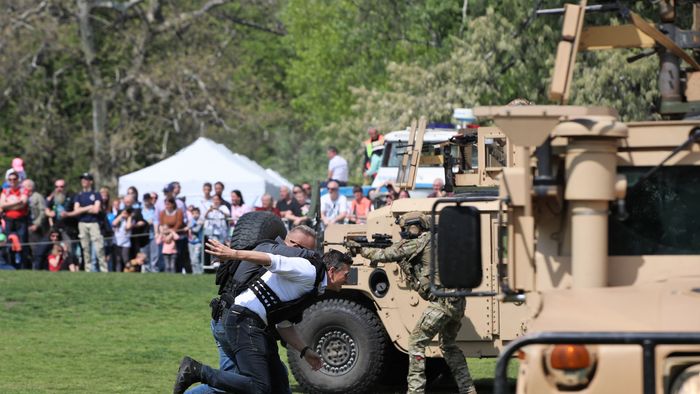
(113, 333)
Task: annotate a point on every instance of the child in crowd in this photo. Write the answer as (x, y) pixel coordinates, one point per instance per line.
(55, 259)
(121, 225)
(136, 264)
(194, 236)
(167, 237)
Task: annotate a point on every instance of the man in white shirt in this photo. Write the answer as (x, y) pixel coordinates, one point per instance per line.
(334, 206)
(337, 167)
(289, 282)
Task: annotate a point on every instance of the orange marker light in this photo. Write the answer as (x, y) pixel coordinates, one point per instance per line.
(569, 357)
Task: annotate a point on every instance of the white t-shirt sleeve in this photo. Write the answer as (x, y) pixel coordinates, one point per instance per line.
(295, 269)
(343, 205)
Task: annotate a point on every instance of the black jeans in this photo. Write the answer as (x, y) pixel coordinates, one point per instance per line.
(20, 227)
(248, 344)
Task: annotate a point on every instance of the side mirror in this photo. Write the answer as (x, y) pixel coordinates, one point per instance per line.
(459, 247)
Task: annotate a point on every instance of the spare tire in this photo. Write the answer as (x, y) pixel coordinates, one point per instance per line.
(254, 227)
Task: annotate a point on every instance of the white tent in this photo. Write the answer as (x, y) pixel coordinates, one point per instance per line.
(206, 161)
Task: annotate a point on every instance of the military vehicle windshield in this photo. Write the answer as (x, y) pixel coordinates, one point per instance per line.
(395, 150)
(664, 213)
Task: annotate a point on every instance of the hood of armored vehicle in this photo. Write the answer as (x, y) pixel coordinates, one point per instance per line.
(666, 306)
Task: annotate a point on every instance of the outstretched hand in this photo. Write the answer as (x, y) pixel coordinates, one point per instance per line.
(217, 249)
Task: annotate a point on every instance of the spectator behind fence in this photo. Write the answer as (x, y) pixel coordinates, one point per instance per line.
(238, 207)
(134, 193)
(14, 202)
(205, 202)
(17, 168)
(375, 163)
(306, 186)
(87, 208)
(167, 237)
(268, 205)
(375, 139)
(171, 215)
(160, 205)
(286, 203)
(37, 221)
(334, 206)
(194, 238)
(150, 249)
(139, 229)
(219, 190)
(137, 263)
(298, 216)
(58, 202)
(438, 185)
(122, 225)
(216, 220)
(337, 167)
(359, 206)
(176, 191)
(57, 255)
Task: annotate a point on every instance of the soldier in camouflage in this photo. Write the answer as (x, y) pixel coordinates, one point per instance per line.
(443, 316)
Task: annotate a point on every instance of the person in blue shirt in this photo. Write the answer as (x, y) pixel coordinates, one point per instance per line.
(87, 209)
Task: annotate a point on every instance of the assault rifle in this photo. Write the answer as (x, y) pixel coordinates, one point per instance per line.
(378, 241)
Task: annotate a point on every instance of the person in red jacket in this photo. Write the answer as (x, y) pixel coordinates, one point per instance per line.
(14, 203)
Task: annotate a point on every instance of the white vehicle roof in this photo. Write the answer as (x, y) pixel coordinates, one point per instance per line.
(431, 135)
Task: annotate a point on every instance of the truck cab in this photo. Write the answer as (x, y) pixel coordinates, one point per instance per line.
(431, 168)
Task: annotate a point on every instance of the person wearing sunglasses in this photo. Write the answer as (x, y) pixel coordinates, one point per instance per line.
(334, 206)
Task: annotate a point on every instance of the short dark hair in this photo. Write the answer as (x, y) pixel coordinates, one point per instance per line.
(336, 259)
(356, 189)
(220, 183)
(333, 149)
(171, 200)
(207, 184)
(147, 197)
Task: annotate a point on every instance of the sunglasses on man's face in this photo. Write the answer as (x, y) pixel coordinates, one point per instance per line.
(332, 189)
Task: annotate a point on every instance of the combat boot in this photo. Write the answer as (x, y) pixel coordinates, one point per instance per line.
(190, 372)
(471, 389)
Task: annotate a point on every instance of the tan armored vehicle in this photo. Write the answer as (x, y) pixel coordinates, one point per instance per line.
(362, 333)
(601, 231)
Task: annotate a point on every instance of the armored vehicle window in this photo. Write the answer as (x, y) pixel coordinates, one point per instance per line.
(397, 149)
(664, 213)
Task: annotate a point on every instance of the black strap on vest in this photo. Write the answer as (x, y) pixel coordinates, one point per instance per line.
(292, 310)
(265, 294)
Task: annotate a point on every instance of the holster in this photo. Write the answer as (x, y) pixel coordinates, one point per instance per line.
(217, 308)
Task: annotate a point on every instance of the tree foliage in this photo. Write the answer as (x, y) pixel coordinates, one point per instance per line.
(113, 86)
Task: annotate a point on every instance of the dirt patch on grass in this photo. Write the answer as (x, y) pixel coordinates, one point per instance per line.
(10, 304)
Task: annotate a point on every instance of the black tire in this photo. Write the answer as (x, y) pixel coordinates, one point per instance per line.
(351, 340)
(254, 227)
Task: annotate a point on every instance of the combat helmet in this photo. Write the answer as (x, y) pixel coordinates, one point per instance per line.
(413, 224)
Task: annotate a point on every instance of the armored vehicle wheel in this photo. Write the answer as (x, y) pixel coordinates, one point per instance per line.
(254, 227)
(352, 342)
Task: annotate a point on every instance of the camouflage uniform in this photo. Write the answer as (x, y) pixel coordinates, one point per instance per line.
(443, 316)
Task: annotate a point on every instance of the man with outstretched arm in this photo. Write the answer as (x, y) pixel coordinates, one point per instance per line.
(233, 276)
(286, 289)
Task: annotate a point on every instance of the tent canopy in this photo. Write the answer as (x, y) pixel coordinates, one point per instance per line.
(206, 161)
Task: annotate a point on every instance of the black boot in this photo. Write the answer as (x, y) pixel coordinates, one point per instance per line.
(190, 372)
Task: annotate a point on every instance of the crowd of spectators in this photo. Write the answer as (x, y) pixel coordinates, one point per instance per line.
(92, 230)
